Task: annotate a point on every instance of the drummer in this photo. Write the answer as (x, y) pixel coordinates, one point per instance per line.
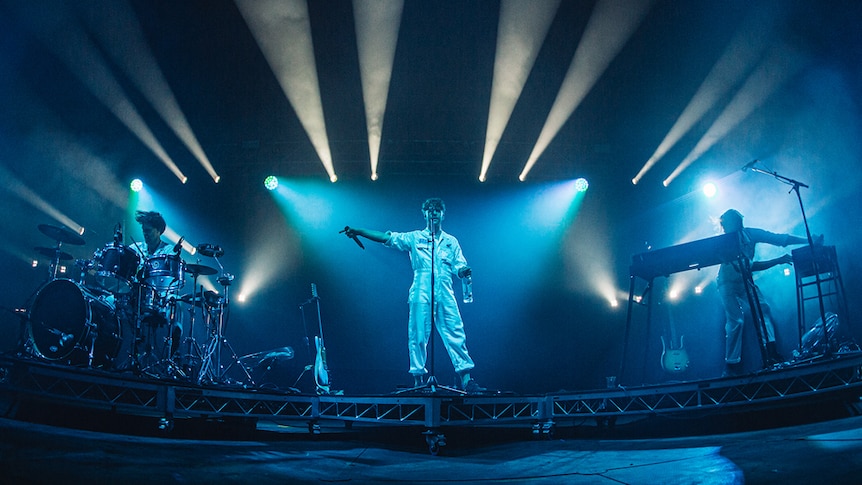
(153, 226)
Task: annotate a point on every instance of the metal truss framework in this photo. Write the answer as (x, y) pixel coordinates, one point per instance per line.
(28, 380)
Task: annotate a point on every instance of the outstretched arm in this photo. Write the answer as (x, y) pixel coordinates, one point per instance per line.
(762, 265)
(376, 236)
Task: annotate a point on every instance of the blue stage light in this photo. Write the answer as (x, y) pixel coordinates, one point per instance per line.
(271, 182)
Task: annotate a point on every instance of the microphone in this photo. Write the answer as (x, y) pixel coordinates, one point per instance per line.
(118, 234)
(749, 165)
(352, 236)
(179, 245)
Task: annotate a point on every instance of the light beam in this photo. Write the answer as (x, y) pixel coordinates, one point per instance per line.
(377, 26)
(522, 28)
(282, 30)
(610, 26)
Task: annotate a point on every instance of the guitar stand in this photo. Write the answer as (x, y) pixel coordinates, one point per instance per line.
(319, 367)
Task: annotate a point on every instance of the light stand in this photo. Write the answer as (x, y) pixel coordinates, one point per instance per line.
(794, 187)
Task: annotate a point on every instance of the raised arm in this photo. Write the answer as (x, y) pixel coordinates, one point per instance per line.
(376, 236)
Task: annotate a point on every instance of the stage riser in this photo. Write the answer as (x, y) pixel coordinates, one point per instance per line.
(26, 380)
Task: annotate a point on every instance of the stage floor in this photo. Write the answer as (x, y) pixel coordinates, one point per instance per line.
(825, 452)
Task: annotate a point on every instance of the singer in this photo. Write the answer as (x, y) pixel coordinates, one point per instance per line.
(448, 262)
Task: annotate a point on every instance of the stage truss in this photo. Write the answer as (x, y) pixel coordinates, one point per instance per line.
(26, 380)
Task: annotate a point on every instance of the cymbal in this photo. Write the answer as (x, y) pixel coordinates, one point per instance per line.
(199, 269)
(51, 252)
(61, 234)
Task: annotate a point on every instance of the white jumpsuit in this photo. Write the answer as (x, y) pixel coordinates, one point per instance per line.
(733, 296)
(448, 262)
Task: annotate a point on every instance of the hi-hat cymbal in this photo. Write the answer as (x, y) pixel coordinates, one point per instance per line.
(200, 269)
(51, 252)
(61, 234)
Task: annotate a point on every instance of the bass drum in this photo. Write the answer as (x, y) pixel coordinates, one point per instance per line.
(68, 322)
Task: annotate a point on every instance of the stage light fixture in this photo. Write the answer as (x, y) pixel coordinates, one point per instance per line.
(271, 182)
(581, 185)
(710, 189)
(136, 185)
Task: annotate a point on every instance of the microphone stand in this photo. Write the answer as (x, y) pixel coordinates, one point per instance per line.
(431, 383)
(794, 187)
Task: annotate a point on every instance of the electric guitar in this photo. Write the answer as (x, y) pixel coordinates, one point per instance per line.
(674, 358)
(321, 370)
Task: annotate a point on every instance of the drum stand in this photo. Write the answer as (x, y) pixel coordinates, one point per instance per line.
(193, 355)
(164, 367)
(212, 368)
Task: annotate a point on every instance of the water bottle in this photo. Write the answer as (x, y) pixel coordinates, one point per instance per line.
(467, 289)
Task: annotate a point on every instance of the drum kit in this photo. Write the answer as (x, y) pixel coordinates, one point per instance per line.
(121, 313)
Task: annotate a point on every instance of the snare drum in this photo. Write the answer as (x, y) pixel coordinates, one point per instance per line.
(115, 266)
(68, 323)
(164, 272)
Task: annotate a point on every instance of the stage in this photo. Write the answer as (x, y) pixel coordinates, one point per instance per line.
(35, 390)
(800, 431)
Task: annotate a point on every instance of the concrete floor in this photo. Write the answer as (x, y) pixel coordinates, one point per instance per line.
(825, 452)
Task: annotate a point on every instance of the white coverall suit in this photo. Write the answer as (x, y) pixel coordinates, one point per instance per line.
(448, 262)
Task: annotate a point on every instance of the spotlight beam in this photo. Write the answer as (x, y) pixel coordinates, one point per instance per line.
(377, 26)
(18, 188)
(610, 26)
(522, 29)
(83, 59)
(122, 37)
(282, 29)
(779, 65)
(738, 58)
